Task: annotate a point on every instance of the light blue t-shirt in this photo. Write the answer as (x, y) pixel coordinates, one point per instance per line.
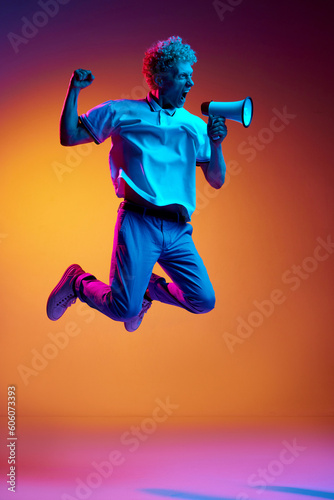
(153, 150)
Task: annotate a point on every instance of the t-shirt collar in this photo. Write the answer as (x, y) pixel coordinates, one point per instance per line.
(156, 107)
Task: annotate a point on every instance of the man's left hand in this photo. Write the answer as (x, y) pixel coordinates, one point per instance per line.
(217, 130)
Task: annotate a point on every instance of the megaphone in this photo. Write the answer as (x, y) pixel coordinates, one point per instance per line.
(239, 111)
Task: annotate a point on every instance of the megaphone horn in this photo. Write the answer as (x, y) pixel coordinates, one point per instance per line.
(239, 111)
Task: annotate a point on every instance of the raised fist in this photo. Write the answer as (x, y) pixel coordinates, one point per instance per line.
(81, 78)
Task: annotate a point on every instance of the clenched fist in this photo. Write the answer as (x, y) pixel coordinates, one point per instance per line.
(81, 78)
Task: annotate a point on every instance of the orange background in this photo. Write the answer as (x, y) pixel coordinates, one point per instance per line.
(251, 233)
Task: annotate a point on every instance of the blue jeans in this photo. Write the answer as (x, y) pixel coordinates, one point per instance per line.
(139, 242)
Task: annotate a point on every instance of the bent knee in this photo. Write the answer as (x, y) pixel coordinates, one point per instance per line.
(122, 310)
(208, 303)
(203, 304)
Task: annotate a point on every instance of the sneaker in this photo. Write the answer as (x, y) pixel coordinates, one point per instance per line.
(134, 323)
(63, 295)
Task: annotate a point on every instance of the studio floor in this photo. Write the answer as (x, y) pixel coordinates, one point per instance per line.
(157, 459)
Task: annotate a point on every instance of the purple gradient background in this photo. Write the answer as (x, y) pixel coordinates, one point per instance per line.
(265, 220)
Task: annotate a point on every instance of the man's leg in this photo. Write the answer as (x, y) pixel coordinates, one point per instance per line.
(135, 252)
(191, 288)
(139, 243)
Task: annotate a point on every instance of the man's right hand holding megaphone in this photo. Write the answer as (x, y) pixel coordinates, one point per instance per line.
(217, 129)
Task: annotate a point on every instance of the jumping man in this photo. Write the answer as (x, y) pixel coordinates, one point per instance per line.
(156, 145)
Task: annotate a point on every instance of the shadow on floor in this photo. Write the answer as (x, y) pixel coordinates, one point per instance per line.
(302, 491)
(182, 494)
(196, 496)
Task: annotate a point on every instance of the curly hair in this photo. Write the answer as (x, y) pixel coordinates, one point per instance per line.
(162, 56)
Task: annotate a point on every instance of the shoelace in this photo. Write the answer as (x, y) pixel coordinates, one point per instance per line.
(145, 307)
(67, 301)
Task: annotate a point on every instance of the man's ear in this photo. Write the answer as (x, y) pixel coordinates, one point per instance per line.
(158, 80)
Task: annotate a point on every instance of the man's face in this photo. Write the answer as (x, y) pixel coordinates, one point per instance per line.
(175, 85)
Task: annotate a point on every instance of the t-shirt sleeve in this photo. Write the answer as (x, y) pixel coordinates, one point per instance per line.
(203, 153)
(99, 121)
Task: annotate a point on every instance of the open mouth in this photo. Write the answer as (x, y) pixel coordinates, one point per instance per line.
(184, 95)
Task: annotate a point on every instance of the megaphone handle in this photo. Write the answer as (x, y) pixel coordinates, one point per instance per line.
(216, 137)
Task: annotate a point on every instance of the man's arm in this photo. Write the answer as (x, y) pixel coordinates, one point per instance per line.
(215, 170)
(72, 132)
